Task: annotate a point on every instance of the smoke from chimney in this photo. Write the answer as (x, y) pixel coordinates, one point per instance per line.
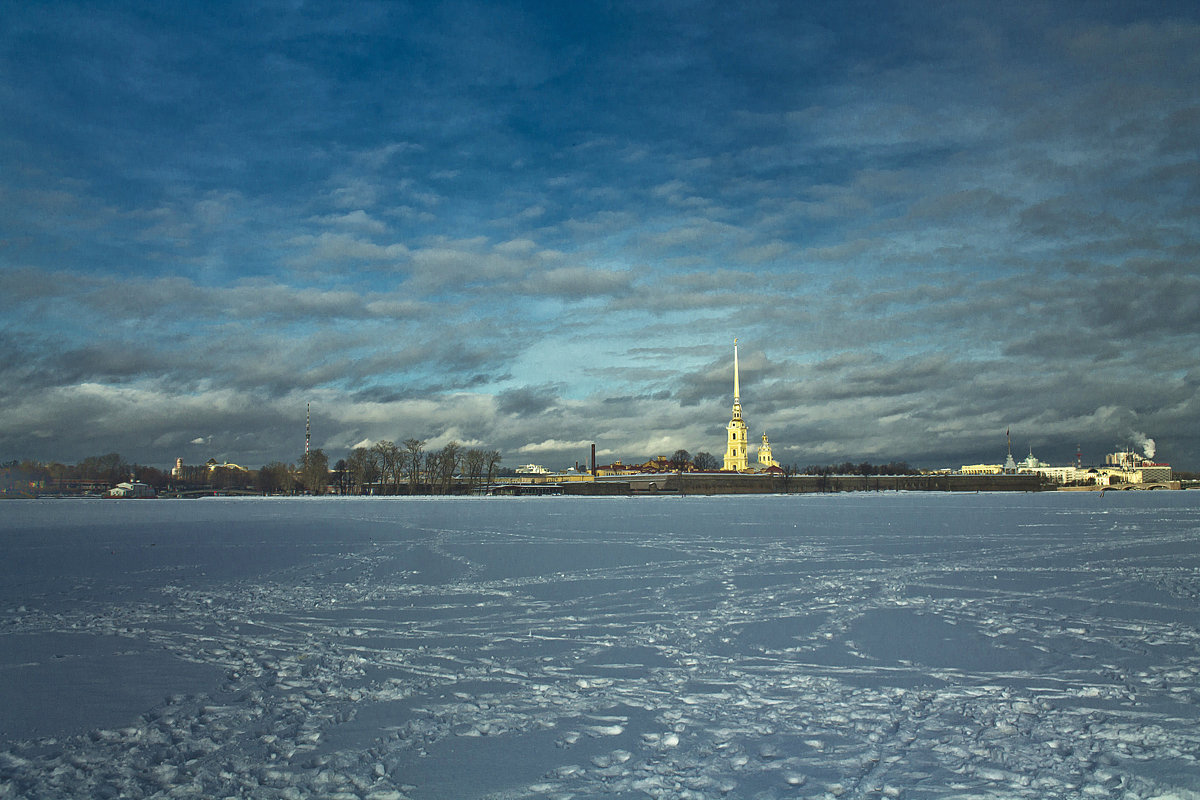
(1145, 442)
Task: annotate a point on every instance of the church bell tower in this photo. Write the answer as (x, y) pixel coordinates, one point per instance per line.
(764, 455)
(735, 448)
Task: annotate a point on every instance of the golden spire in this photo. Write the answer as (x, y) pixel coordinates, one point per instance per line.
(736, 385)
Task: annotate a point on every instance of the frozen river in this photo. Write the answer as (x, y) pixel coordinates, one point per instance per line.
(851, 646)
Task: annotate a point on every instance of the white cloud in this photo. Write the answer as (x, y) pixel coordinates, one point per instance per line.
(358, 220)
(553, 446)
(320, 249)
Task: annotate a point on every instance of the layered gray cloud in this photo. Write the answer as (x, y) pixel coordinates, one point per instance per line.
(534, 228)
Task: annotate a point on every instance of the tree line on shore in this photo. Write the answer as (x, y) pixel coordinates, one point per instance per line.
(103, 470)
(408, 468)
(383, 468)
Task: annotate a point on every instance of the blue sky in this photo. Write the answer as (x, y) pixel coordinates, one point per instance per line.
(534, 226)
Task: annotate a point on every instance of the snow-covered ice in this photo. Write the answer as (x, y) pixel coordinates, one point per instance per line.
(851, 646)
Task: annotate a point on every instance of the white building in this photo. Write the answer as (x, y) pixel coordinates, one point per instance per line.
(1126, 466)
(1121, 468)
(1060, 475)
(130, 490)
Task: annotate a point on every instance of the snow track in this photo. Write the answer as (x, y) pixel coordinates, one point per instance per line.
(853, 646)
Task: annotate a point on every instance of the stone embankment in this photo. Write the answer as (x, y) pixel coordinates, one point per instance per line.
(714, 483)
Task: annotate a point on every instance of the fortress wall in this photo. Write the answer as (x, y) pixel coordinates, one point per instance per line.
(716, 483)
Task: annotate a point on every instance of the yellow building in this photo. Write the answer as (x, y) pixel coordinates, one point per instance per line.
(764, 455)
(735, 448)
(981, 469)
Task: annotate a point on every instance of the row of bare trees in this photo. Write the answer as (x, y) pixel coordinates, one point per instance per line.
(686, 462)
(388, 468)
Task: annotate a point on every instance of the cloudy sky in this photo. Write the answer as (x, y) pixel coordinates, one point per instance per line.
(531, 226)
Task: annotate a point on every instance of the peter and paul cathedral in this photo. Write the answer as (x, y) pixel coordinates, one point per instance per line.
(735, 449)
(737, 444)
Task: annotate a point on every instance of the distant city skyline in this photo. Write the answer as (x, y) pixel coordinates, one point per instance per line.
(532, 227)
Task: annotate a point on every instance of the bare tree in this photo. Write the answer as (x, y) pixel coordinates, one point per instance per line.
(341, 476)
(790, 472)
(705, 462)
(433, 467)
(389, 463)
(314, 471)
(473, 463)
(413, 448)
(276, 477)
(223, 477)
(451, 456)
(363, 468)
(493, 462)
(110, 467)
